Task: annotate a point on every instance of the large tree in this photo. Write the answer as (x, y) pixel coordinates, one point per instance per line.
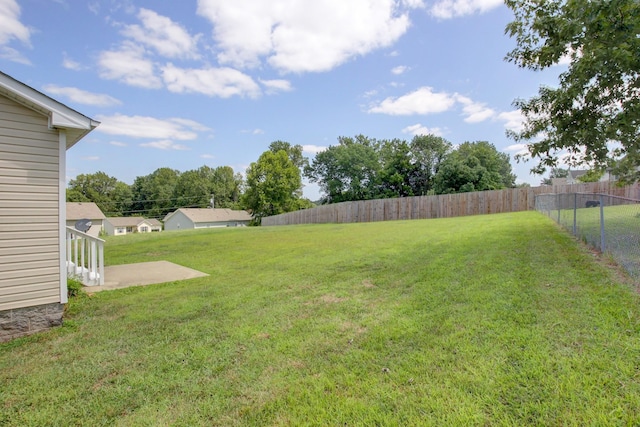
(427, 154)
(154, 193)
(293, 151)
(193, 188)
(474, 166)
(347, 171)
(226, 187)
(273, 186)
(593, 115)
(113, 197)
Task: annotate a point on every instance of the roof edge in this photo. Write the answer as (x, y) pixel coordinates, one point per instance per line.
(59, 115)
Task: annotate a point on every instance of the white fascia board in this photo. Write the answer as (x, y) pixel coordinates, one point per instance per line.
(59, 115)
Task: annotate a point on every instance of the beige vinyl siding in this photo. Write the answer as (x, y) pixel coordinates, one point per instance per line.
(29, 235)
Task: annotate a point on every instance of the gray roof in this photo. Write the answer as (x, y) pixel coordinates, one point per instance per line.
(81, 210)
(212, 215)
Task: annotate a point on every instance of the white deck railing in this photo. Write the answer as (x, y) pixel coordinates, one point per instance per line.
(85, 257)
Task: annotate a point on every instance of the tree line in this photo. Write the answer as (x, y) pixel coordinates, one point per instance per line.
(357, 168)
(161, 192)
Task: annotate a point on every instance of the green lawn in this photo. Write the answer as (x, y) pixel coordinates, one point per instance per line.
(622, 231)
(487, 320)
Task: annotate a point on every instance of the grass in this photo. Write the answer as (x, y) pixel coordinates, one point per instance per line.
(488, 320)
(622, 231)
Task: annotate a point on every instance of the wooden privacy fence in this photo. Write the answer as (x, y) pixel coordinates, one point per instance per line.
(442, 206)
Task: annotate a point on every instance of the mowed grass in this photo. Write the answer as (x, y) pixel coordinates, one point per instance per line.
(487, 320)
(621, 230)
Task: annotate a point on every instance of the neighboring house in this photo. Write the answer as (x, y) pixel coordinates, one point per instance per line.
(574, 177)
(35, 132)
(118, 226)
(189, 218)
(86, 210)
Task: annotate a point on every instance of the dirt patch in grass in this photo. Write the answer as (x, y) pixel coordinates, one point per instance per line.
(368, 284)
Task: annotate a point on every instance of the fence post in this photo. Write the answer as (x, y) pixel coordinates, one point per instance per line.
(575, 213)
(558, 205)
(602, 239)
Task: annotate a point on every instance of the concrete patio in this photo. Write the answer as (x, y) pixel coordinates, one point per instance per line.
(142, 274)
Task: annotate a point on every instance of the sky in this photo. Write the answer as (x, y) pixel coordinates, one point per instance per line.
(187, 83)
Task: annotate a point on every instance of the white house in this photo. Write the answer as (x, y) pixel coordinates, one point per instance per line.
(118, 226)
(190, 218)
(86, 210)
(35, 132)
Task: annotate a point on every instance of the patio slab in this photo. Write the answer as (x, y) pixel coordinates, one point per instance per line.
(142, 274)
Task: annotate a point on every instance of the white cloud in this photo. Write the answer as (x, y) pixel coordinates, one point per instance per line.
(91, 158)
(313, 149)
(12, 29)
(274, 86)
(513, 120)
(13, 55)
(447, 9)
(295, 36)
(70, 64)
(118, 143)
(420, 101)
(516, 149)
(475, 112)
(419, 129)
(218, 82)
(415, 4)
(162, 35)
(148, 127)
(207, 156)
(10, 25)
(165, 144)
(82, 97)
(94, 7)
(129, 65)
(400, 69)
(191, 124)
(256, 131)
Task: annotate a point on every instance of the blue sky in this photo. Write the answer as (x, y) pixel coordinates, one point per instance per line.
(188, 83)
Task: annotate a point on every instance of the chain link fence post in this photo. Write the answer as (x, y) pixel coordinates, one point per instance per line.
(602, 236)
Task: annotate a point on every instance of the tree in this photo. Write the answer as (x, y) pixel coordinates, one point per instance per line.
(193, 188)
(274, 186)
(347, 171)
(474, 166)
(592, 175)
(154, 193)
(293, 151)
(396, 169)
(427, 152)
(597, 101)
(113, 197)
(555, 173)
(226, 187)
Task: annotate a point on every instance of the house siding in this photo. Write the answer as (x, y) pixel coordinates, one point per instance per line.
(29, 202)
(178, 221)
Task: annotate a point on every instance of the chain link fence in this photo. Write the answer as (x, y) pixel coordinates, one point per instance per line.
(610, 224)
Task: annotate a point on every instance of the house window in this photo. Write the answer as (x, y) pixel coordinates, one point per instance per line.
(144, 229)
(120, 230)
